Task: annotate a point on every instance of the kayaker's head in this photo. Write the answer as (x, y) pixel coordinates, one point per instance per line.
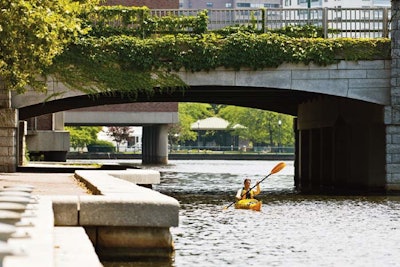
(247, 183)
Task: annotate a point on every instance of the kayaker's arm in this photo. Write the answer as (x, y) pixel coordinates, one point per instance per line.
(258, 189)
(239, 194)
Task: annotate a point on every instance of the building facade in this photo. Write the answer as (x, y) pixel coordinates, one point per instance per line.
(159, 4)
(335, 3)
(229, 4)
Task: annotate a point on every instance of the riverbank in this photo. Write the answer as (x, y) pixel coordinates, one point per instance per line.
(79, 219)
(185, 156)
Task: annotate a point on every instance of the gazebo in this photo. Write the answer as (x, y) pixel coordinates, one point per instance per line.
(215, 133)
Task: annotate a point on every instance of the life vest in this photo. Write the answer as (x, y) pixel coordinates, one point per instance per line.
(249, 194)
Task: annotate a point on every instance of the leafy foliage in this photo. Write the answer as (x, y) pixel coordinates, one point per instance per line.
(260, 126)
(111, 65)
(101, 146)
(50, 37)
(119, 134)
(129, 64)
(189, 113)
(303, 31)
(132, 65)
(137, 21)
(81, 136)
(32, 33)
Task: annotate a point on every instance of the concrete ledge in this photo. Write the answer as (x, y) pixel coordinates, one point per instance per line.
(68, 253)
(109, 182)
(66, 210)
(142, 209)
(122, 219)
(140, 237)
(137, 176)
(127, 242)
(117, 203)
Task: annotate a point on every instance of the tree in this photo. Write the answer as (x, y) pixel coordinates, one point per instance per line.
(119, 134)
(81, 136)
(189, 113)
(32, 33)
(261, 126)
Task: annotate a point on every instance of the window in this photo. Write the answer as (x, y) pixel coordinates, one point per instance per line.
(228, 5)
(306, 1)
(288, 2)
(271, 5)
(209, 4)
(243, 4)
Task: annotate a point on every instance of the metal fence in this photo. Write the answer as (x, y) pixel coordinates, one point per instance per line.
(335, 22)
(231, 149)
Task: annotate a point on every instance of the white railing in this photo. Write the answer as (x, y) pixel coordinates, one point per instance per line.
(335, 22)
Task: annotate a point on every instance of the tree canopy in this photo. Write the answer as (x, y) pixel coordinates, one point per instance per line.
(32, 33)
(119, 134)
(81, 136)
(260, 126)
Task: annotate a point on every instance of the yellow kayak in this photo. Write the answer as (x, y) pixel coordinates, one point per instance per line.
(248, 204)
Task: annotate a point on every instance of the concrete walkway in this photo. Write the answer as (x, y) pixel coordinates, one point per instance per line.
(45, 183)
(37, 242)
(64, 220)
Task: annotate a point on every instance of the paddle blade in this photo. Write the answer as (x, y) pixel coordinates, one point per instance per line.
(278, 167)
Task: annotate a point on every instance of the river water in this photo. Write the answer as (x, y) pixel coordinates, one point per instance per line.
(291, 230)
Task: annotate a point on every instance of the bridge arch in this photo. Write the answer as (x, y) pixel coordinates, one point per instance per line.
(367, 81)
(362, 114)
(339, 109)
(278, 100)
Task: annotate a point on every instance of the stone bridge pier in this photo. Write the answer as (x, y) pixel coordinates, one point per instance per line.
(155, 144)
(8, 132)
(392, 112)
(340, 146)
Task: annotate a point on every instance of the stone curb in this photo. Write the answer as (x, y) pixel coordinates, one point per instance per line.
(121, 203)
(122, 219)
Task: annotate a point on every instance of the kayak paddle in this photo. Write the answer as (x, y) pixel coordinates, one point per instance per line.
(276, 169)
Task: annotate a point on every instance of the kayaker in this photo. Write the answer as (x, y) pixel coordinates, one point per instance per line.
(244, 192)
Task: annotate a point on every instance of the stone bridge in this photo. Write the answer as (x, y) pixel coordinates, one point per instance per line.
(347, 115)
(342, 114)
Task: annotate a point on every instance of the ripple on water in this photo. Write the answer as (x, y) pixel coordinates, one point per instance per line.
(291, 230)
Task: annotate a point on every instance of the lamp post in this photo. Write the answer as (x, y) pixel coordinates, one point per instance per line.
(280, 135)
(198, 136)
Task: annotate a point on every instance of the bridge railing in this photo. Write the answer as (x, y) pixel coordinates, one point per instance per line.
(335, 22)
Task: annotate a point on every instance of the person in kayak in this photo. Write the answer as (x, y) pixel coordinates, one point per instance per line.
(244, 192)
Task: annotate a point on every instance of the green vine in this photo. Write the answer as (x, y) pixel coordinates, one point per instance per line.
(115, 56)
(132, 65)
(137, 21)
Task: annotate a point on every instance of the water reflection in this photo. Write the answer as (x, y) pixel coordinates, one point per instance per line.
(291, 230)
